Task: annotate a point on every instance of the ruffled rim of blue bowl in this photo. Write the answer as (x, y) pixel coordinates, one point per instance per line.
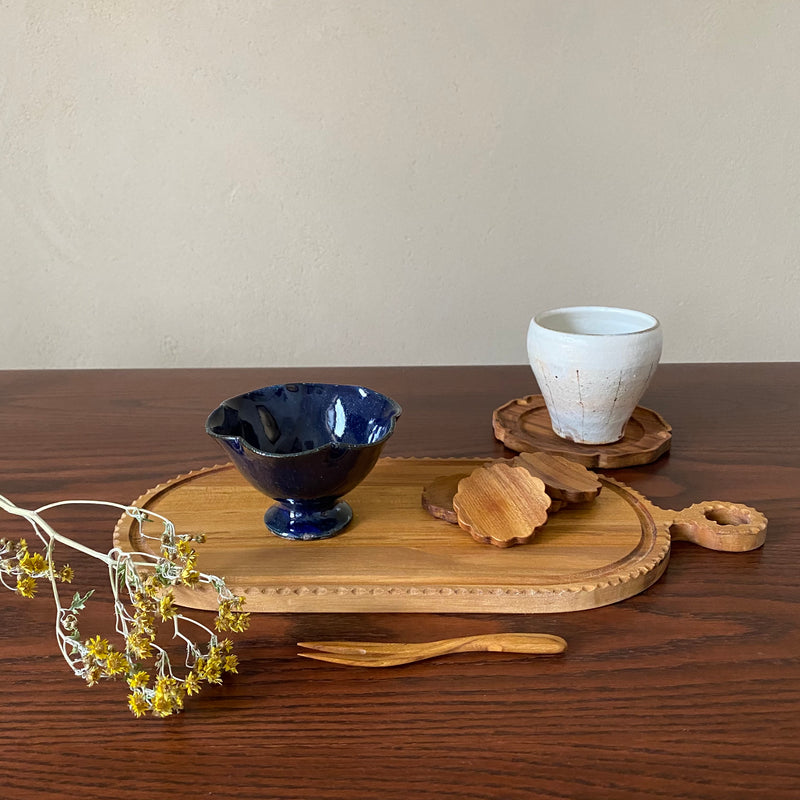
(328, 445)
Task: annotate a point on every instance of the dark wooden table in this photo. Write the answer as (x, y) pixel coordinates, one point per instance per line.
(691, 689)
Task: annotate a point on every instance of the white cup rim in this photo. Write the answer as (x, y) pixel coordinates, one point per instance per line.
(650, 323)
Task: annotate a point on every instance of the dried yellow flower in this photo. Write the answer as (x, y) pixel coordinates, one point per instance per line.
(34, 564)
(98, 647)
(138, 680)
(230, 616)
(184, 548)
(26, 586)
(93, 675)
(139, 646)
(210, 669)
(138, 704)
(230, 664)
(166, 606)
(191, 683)
(116, 663)
(189, 577)
(167, 696)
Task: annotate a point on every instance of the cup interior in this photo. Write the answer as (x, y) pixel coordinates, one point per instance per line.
(596, 321)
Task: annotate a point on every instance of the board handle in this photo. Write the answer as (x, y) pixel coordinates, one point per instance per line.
(719, 525)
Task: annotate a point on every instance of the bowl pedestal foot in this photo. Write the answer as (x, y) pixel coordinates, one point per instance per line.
(307, 520)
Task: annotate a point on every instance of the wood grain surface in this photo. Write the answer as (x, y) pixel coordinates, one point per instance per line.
(503, 505)
(690, 689)
(395, 556)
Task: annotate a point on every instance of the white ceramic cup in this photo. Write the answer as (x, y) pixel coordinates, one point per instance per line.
(593, 364)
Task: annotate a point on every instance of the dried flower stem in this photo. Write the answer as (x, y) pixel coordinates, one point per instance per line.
(141, 584)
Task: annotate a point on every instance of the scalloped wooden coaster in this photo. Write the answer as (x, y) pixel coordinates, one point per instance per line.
(564, 481)
(501, 505)
(524, 425)
(437, 497)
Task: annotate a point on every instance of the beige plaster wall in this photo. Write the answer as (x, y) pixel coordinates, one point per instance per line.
(212, 182)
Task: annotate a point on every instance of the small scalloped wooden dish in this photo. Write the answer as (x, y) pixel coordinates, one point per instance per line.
(501, 505)
(396, 557)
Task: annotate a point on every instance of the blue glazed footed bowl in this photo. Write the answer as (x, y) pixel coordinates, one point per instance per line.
(305, 445)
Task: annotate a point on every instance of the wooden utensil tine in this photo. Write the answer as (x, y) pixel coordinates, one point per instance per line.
(355, 660)
(343, 648)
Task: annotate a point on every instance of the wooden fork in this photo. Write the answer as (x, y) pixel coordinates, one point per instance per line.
(390, 654)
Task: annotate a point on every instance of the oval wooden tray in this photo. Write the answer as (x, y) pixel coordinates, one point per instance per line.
(395, 557)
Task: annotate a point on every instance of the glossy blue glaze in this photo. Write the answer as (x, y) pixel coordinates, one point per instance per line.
(305, 445)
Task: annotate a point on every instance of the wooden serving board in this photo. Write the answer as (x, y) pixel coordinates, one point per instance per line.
(395, 557)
